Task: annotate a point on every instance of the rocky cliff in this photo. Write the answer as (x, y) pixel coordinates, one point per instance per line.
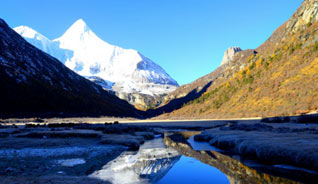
(229, 54)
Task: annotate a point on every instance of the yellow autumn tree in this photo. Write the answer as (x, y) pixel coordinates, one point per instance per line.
(248, 71)
(258, 63)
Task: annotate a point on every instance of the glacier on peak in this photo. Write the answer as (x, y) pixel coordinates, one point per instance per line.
(28, 32)
(81, 50)
(43, 43)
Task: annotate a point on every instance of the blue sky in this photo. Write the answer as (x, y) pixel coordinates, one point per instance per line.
(186, 37)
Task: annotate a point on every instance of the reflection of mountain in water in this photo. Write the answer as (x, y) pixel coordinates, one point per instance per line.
(148, 165)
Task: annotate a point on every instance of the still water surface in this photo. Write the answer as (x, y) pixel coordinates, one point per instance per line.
(155, 163)
(193, 163)
(190, 170)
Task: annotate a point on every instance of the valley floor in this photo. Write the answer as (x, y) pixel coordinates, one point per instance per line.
(57, 148)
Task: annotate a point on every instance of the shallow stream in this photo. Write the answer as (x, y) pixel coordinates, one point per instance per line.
(155, 162)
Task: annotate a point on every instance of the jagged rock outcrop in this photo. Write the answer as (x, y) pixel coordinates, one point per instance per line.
(229, 54)
(304, 17)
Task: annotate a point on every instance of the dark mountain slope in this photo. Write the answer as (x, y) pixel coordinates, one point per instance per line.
(32, 83)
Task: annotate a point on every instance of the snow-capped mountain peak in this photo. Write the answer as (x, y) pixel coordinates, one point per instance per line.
(77, 30)
(80, 49)
(79, 25)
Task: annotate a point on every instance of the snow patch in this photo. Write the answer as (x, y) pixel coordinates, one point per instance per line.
(71, 162)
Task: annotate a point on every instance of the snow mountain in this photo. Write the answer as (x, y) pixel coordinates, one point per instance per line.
(81, 50)
(33, 83)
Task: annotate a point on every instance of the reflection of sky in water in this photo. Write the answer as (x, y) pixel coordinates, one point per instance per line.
(155, 162)
(190, 170)
(198, 146)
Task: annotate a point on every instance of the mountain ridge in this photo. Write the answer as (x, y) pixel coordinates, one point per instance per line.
(33, 83)
(80, 49)
(276, 79)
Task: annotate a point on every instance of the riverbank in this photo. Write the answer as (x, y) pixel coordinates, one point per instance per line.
(48, 151)
(281, 145)
(53, 153)
(235, 170)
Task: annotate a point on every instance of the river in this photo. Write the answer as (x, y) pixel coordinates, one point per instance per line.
(155, 162)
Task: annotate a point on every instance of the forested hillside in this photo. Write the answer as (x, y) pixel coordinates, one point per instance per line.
(278, 78)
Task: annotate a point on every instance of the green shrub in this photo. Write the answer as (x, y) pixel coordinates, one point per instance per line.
(248, 80)
(291, 49)
(315, 48)
(310, 22)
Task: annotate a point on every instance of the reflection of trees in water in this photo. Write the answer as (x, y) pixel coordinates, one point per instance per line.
(234, 169)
